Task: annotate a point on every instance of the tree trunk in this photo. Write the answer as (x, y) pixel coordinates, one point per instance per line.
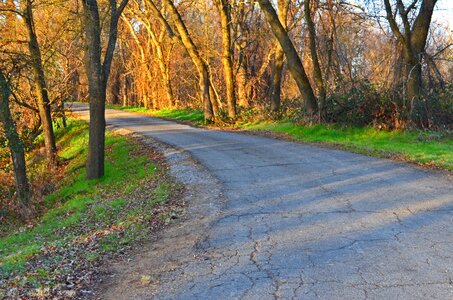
(314, 56)
(98, 74)
(294, 63)
(414, 80)
(165, 79)
(95, 161)
(277, 79)
(96, 142)
(279, 59)
(192, 50)
(413, 40)
(241, 79)
(16, 149)
(225, 21)
(40, 85)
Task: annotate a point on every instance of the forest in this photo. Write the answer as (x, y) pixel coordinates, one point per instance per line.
(381, 64)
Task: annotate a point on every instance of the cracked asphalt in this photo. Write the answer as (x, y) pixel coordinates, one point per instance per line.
(271, 219)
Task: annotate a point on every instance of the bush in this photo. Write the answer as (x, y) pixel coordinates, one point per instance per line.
(364, 105)
(435, 111)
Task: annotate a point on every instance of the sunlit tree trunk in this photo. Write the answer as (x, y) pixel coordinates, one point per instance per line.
(314, 56)
(241, 79)
(240, 43)
(163, 67)
(225, 21)
(186, 40)
(279, 59)
(16, 149)
(40, 84)
(294, 63)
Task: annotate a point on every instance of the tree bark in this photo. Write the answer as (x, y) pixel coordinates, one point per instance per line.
(40, 85)
(314, 56)
(96, 143)
(294, 63)
(186, 40)
(16, 149)
(241, 79)
(279, 59)
(98, 74)
(413, 40)
(163, 66)
(225, 21)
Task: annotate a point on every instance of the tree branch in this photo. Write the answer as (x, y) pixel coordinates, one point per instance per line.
(392, 22)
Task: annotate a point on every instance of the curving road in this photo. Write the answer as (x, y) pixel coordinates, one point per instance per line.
(303, 222)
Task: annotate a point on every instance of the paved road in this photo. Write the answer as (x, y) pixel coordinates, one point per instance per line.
(305, 222)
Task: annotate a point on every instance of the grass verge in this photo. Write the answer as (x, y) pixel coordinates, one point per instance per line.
(86, 221)
(193, 115)
(428, 148)
(422, 147)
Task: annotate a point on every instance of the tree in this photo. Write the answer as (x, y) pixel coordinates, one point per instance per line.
(412, 38)
(40, 84)
(156, 45)
(225, 22)
(192, 50)
(314, 56)
(98, 74)
(16, 148)
(294, 63)
(279, 59)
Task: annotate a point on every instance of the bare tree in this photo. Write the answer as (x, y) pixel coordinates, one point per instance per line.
(294, 63)
(314, 55)
(192, 50)
(227, 56)
(279, 58)
(16, 149)
(412, 38)
(98, 72)
(40, 83)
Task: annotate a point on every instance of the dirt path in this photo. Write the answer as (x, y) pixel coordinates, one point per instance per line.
(293, 221)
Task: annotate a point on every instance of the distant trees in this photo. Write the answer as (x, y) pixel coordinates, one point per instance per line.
(331, 42)
(381, 63)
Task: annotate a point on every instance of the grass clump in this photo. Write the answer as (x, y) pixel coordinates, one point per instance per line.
(84, 220)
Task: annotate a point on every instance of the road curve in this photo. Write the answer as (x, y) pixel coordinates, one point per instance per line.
(305, 222)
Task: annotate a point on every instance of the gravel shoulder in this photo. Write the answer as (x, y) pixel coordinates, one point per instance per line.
(139, 276)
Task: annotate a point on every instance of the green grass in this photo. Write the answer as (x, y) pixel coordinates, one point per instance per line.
(422, 147)
(80, 208)
(431, 148)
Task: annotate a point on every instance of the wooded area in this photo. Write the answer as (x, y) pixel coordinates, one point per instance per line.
(374, 63)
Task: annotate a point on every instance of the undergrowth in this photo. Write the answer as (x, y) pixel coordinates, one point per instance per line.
(83, 221)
